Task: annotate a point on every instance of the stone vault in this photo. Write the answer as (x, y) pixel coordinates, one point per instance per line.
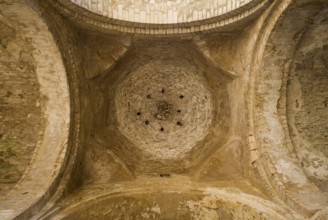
(163, 109)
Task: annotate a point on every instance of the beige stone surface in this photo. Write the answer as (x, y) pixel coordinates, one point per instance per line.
(220, 118)
(274, 133)
(183, 199)
(52, 92)
(21, 119)
(96, 21)
(307, 101)
(164, 110)
(159, 11)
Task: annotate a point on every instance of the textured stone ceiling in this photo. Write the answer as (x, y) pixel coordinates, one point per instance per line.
(159, 18)
(184, 117)
(34, 108)
(159, 11)
(158, 113)
(20, 106)
(307, 100)
(164, 110)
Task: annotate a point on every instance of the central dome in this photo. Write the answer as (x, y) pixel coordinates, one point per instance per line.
(164, 111)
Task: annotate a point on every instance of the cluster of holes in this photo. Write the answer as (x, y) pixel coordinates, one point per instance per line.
(179, 123)
(162, 128)
(163, 91)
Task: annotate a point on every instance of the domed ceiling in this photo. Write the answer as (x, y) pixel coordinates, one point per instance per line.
(163, 109)
(160, 18)
(159, 11)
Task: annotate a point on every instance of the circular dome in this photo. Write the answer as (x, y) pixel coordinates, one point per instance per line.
(158, 17)
(164, 111)
(159, 11)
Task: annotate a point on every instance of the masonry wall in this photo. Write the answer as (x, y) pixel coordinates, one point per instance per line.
(20, 105)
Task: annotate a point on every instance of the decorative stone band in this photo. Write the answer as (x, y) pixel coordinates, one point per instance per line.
(84, 17)
(159, 11)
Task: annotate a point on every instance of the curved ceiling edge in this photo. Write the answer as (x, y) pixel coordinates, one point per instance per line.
(49, 156)
(219, 195)
(160, 11)
(83, 16)
(275, 169)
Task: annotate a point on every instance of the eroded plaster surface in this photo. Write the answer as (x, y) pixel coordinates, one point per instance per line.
(226, 124)
(20, 114)
(278, 93)
(307, 108)
(44, 69)
(164, 110)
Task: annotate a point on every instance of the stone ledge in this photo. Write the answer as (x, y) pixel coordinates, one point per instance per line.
(85, 17)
